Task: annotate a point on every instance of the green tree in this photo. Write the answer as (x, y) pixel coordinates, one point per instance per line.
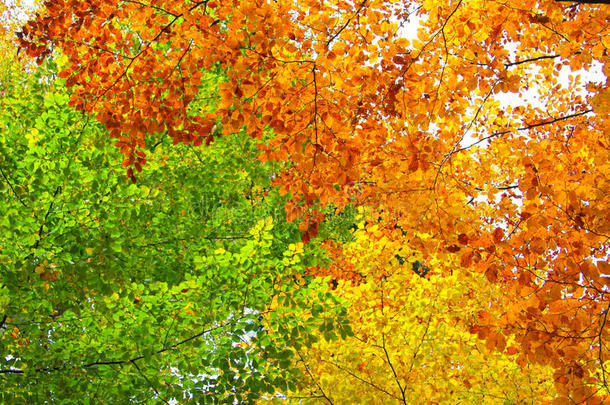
(118, 292)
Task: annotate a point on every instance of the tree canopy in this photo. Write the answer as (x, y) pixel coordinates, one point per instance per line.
(331, 201)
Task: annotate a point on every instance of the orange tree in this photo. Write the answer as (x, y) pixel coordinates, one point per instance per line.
(412, 126)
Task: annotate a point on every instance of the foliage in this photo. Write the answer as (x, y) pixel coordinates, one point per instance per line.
(360, 111)
(139, 292)
(412, 341)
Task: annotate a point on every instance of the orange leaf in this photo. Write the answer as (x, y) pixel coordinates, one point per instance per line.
(414, 164)
(498, 235)
(463, 239)
(466, 259)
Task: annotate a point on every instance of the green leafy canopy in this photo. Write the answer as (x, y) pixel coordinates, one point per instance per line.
(157, 291)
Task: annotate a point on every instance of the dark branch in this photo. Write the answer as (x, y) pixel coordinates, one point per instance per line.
(539, 124)
(336, 34)
(118, 362)
(11, 187)
(46, 216)
(387, 356)
(507, 65)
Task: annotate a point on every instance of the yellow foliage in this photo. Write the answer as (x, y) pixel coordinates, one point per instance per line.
(412, 342)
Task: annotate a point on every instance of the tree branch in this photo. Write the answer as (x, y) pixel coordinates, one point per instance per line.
(336, 34)
(148, 381)
(117, 362)
(387, 356)
(11, 187)
(313, 379)
(528, 127)
(46, 216)
(600, 353)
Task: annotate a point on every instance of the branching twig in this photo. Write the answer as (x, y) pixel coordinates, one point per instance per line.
(118, 362)
(148, 381)
(44, 221)
(336, 34)
(387, 356)
(357, 377)
(313, 379)
(11, 187)
(496, 134)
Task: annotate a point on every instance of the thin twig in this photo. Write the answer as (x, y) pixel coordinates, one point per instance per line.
(600, 355)
(148, 381)
(387, 356)
(336, 34)
(313, 379)
(118, 362)
(44, 221)
(11, 187)
(495, 134)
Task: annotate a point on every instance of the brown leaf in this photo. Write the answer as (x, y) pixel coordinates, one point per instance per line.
(498, 235)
